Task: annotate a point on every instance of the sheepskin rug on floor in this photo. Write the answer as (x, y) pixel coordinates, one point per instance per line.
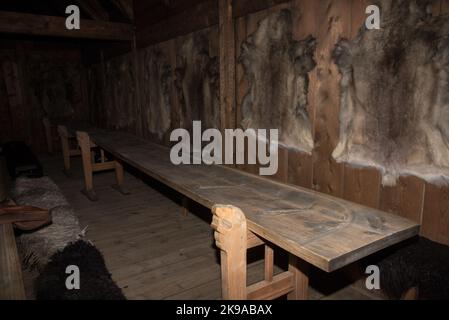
(37, 247)
(51, 249)
(95, 280)
(277, 67)
(421, 264)
(395, 94)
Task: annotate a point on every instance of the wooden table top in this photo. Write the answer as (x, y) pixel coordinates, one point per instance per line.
(327, 232)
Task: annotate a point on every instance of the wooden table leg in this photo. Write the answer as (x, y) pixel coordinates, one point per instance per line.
(269, 263)
(230, 228)
(185, 206)
(119, 177)
(84, 142)
(64, 136)
(299, 269)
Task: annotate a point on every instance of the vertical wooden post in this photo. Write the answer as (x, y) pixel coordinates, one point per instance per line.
(119, 178)
(227, 65)
(119, 175)
(269, 263)
(47, 127)
(300, 279)
(185, 206)
(84, 143)
(230, 228)
(64, 136)
(137, 102)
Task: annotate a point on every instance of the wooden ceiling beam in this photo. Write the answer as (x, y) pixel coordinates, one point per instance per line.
(151, 12)
(125, 7)
(31, 24)
(94, 9)
(195, 18)
(200, 16)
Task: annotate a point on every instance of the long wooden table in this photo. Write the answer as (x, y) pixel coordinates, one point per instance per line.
(318, 229)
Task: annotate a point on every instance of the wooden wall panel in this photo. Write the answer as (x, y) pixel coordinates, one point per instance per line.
(250, 26)
(300, 165)
(435, 214)
(39, 79)
(335, 23)
(328, 21)
(361, 185)
(406, 199)
(435, 219)
(119, 93)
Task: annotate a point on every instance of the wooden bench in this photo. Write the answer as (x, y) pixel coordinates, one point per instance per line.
(11, 280)
(69, 144)
(90, 166)
(250, 211)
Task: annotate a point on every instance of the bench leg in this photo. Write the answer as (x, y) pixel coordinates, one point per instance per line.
(64, 136)
(84, 142)
(299, 269)
(47, 126)
(269, 263)
(230, 228)
(185, 206)
(119, 178)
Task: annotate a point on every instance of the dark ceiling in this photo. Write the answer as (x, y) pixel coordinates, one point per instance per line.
(105, 8)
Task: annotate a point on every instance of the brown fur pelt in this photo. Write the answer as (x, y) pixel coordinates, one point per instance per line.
(197, 82)
(157, 79)
(277, 68)
(395, 93)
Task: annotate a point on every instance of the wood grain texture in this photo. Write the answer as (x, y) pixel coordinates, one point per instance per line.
(329, 175)
(406, 199)
(227, 65)
(30, 24)
(327, 232)
(230, 235)
(11, 282)
(300, 165)
(361, 185)
(435, 219)
(435, 214)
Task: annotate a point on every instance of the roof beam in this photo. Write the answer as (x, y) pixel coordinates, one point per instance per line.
(125, 7)
(203, 15)
(94, 9)
(31, 24)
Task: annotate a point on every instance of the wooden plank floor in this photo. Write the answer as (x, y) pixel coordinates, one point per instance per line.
(151, 248)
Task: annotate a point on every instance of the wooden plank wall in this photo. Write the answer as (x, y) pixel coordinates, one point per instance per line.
(38, 79)
(328, 21)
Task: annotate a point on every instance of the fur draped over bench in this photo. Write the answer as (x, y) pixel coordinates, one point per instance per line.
(50, 250)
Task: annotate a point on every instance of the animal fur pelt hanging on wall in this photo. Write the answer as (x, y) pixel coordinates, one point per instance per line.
(120, 86)
(277, 69)
(395, 94)
(198, 82)
(156, 92)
